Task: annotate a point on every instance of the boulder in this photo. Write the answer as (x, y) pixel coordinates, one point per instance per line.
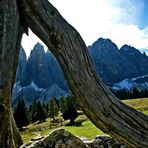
(57, 139)
(104, 142)
(64, 139)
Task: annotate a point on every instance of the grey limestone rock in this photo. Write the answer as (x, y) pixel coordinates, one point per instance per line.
(57, 139)
(64, 139)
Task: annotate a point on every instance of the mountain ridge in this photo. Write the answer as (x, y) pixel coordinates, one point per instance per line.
(41, 71)
(113, 64)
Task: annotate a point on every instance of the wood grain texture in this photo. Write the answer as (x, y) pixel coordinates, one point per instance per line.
(10, 36)
(120, 121)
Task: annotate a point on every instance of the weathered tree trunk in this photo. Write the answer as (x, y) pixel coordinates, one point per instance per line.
(99, 104)
(10, 36)
(123, 123)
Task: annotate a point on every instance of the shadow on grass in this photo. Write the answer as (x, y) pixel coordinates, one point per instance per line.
(77, 123)
(23, 129)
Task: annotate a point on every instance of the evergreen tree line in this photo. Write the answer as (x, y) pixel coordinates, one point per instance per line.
(125, 94)
(38, 111)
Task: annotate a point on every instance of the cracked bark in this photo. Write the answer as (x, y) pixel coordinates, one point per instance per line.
(10, 36)
(123, 123)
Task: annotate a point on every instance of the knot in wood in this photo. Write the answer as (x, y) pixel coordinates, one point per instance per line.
(55, 39)
(2, 108)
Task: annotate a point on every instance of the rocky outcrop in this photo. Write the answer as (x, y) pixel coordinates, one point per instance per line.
(21, 65)
(41, 67)
(64, 139)
(38, 78)
(57, 139)
(104, 142)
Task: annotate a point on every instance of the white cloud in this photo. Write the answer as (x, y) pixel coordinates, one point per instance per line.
(117, 20)
(87, 16)
(128, 34)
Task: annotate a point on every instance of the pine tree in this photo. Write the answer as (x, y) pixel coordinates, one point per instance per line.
(136, 93)
(36, 112)
(62, 104)
(33, 112)
(70, 111)
(53, 108)
(30, 113)
(20, 114)
(45, 108)
(40, 112)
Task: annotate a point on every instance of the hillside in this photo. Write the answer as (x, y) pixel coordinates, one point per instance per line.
(82, 128)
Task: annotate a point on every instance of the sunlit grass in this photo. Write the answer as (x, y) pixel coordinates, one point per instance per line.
(145, 112)
(28, 136)
(83, 128)
(87, 129)
(139, 104)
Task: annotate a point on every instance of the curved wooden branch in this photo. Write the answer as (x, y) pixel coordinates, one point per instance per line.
(122, 122)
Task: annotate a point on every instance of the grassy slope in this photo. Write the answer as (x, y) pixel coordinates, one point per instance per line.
(139, 104)
(85, 129)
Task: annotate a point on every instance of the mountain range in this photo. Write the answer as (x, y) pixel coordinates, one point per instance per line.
(114, 65)
(140, 83)
(40, 77)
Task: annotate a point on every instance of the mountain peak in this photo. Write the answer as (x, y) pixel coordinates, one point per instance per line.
(42, 73)
(38, 48)
(106, 42)
(103, 45)
(129, 48)
(38, 44)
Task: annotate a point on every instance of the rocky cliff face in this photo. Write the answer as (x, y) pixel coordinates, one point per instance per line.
(21, 65)
(114, 65)
(40, 77)
(138, 60)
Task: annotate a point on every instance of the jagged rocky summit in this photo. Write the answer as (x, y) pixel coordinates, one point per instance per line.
(114, 65)
(40, 77)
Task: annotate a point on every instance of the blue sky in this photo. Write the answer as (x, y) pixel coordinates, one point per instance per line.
(143, 20)
(123, 21)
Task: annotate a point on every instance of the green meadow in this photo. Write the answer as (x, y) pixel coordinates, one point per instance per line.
(83, 126)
